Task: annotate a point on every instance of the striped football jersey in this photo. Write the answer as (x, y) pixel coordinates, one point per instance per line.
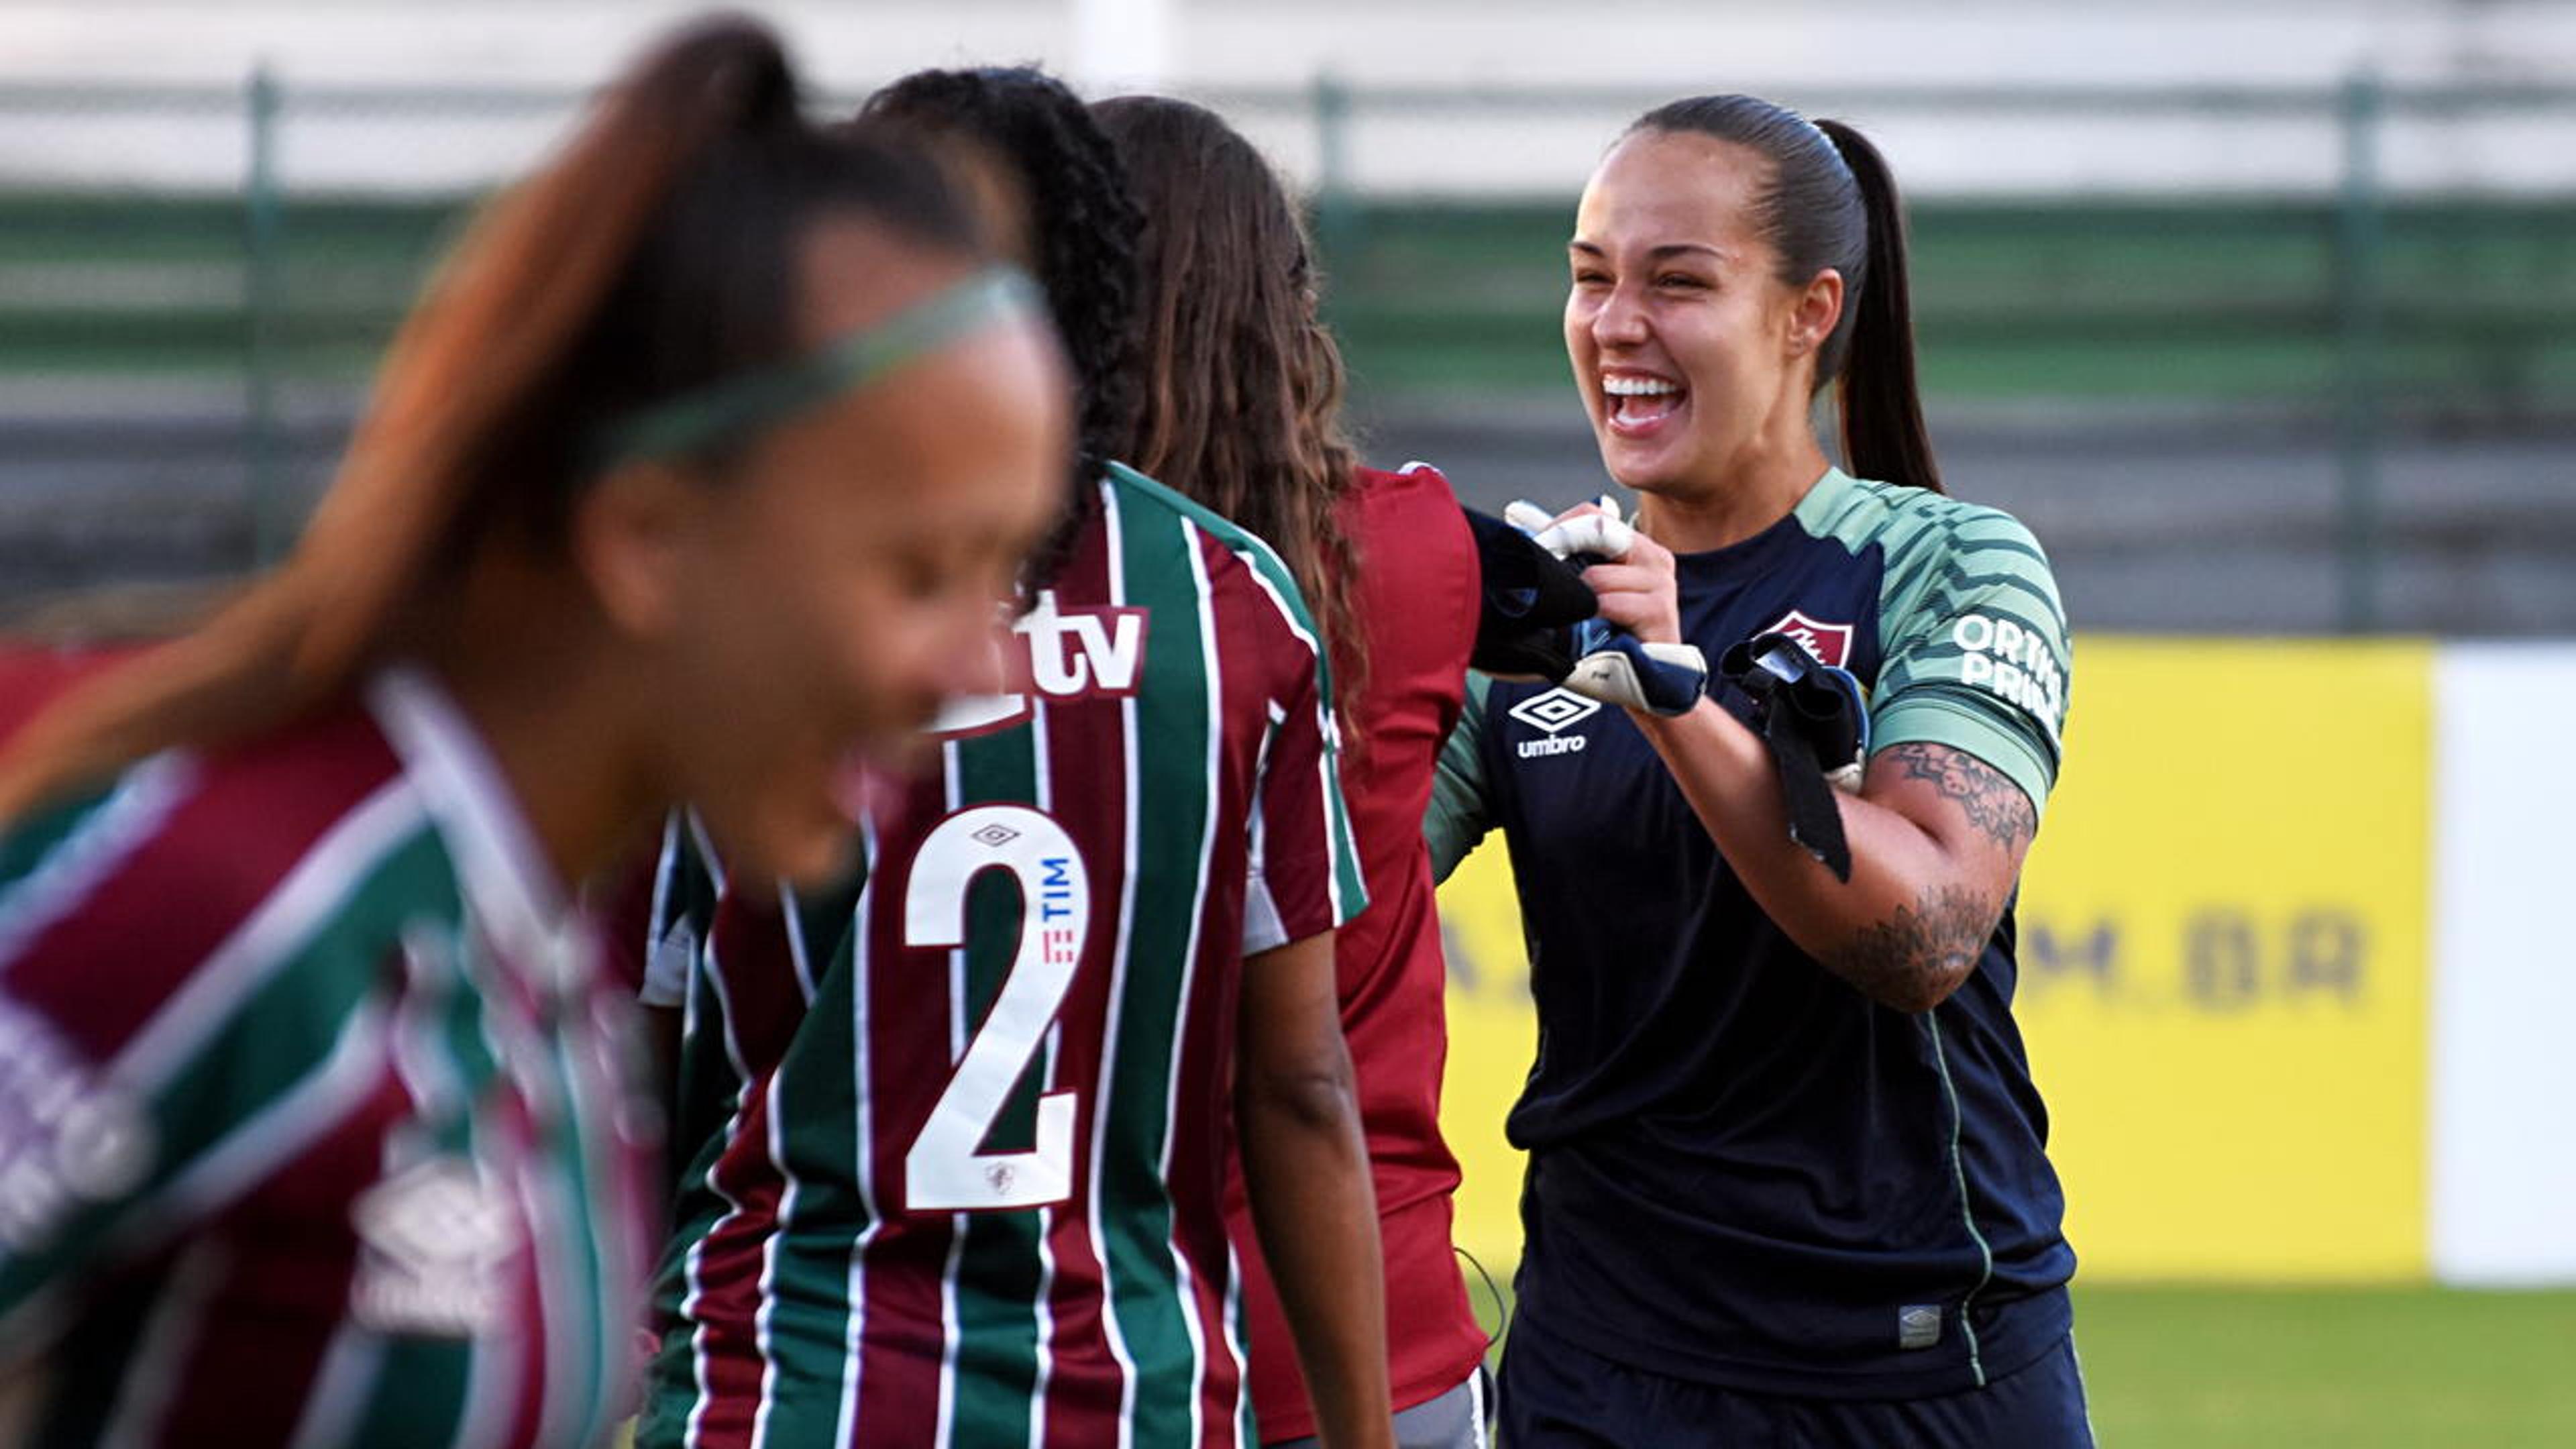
(956, 1131)
(314, 1127)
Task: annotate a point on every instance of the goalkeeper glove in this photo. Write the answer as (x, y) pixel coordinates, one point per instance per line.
(1527, 600)
(1611, 664)
(1814, 719)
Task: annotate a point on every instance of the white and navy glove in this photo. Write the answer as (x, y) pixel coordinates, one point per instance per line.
(1611, 664)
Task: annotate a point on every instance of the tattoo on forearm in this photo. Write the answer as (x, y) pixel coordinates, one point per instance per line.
(1993, 804)
(1921, 953)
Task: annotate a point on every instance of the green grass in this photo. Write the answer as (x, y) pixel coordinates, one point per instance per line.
(2307, 1368)
(2356, 1368)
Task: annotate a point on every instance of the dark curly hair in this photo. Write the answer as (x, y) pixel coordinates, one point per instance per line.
(1082, 232)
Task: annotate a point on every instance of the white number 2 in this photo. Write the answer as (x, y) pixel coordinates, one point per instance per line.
(944, 1170)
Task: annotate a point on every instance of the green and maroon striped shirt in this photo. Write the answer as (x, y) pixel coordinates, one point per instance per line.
(313, 1127)
(959, 1128)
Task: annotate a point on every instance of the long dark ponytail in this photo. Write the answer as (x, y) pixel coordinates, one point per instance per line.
(1832, 202)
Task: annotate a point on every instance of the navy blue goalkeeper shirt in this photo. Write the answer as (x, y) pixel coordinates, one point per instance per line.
(1742, 1171)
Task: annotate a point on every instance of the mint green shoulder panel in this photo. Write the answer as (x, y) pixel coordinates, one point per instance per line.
(1972, 637)
(1459, 817)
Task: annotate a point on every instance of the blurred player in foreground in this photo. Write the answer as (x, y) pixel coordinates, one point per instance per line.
(1243, 412)
(959, 1128)
(1787, 1178)
(698, 469)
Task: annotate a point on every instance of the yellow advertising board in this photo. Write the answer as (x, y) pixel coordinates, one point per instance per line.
(1493, 1034)
(2223, 966)
(2224, 959)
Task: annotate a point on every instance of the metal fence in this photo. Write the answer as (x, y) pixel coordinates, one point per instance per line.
(2359, 259)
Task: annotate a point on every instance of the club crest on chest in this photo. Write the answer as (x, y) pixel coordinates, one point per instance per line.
(1830, 643)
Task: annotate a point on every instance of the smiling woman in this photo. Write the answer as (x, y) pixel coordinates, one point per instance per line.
(1787, 1175)
(701, 467)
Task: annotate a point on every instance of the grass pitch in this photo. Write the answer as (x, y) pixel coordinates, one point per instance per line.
(2317, 1368)
(2378, 1368)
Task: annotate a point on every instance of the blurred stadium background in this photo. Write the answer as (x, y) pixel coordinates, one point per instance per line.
(2262, 314)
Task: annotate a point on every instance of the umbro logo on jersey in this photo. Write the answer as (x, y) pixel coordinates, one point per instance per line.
(1064, 654)
(435, 1239)
(1830, 643)
(1551, 713)
(1554, 710)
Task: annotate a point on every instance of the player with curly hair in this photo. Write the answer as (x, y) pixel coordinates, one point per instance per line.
(957, 1129)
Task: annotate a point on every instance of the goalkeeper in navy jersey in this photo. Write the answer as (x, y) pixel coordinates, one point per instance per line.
(1787, 1174)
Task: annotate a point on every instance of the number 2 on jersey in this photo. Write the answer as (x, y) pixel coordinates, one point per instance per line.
(944, 1169)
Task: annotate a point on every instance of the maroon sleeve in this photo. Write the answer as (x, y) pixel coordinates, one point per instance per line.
(1416, 601)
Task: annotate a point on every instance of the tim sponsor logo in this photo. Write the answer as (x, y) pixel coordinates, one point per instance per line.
(1551, 713)
(68, 1140)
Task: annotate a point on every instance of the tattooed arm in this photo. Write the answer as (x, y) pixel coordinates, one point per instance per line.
(1937, 840)
(1984, 823)
(1937, 835)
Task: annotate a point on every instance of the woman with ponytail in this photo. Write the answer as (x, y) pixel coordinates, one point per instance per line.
(1787, 1174)
(696, 474)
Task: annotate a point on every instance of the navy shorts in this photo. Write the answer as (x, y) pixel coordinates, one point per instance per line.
(1558, 1396)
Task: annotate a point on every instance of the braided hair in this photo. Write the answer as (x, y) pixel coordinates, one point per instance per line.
(1082, 232)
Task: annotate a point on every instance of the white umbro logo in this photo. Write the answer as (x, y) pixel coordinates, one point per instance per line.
(436, 1238)
(1549, 713)
(1555, 710)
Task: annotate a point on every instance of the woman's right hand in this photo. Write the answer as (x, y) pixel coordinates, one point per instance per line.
(1634, 580)
(1640, 591)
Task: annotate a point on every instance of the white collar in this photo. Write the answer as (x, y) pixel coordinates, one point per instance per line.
(506, 878)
